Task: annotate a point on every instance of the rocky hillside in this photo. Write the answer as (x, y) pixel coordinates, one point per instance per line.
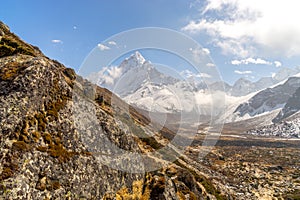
(47, 153)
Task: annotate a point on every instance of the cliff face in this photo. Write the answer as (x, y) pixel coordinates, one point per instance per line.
(46, 153)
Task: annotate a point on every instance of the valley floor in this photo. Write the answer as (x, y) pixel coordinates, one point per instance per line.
(252, 167)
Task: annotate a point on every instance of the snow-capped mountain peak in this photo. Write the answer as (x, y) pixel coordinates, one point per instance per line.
(242, 87)
(108, 76)
(138, 56)
(284, 73)
(135, 60)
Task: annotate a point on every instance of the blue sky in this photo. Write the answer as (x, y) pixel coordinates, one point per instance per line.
(245, 38)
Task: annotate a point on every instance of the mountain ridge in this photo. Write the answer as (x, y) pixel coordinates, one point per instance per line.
(143, 86)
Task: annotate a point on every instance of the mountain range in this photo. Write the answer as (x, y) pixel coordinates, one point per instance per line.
(140, 84)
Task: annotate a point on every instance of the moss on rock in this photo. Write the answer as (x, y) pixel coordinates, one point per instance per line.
(11, 45)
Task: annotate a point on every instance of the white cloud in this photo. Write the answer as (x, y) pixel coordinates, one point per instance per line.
(188, 74)
(57, 41)
(234, 47)
(204, 75)
(277, 64)
(102, 47)
(115, 72)
(107, 76)
(112, 43)
(242, 72)
(206, 51)
(253, 26)
(200, 51)
(236, 62)
(210, 65)
(199, 54)
(257, 61)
